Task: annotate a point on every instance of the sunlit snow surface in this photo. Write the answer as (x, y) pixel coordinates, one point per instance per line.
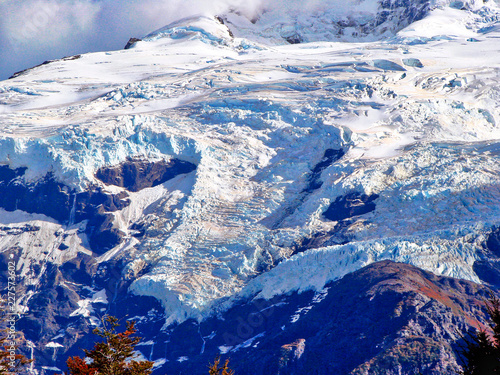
(417, 114)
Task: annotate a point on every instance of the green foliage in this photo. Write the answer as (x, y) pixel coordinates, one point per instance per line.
(481, 352)
(216, 370)
(114, 355)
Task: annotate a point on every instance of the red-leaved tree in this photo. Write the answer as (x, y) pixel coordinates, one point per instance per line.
(114, 355)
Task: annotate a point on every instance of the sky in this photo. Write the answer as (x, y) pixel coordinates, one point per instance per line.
(33, 31)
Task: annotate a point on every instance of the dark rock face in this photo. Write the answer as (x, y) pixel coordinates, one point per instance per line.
(51, 316)
(50, 307)
(68, 58)
(294, 39)
(330, 157)
(487, 271)
(350, 205)
(52, 310)
(388, 318)
(97, 207)
(103, 235)
(18, 230)
(487, 267)
(338, 236)
(131, 42)
(7, 174)
(135, 175)
(56, 200)
(46, 196)
(51, 198)
(79, 270)
(493, 242)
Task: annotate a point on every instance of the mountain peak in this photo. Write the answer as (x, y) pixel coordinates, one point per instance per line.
(204, 28)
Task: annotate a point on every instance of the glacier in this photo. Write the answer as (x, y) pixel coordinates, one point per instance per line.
(410, 103)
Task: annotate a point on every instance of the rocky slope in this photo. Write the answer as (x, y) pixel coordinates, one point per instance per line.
(388, 318)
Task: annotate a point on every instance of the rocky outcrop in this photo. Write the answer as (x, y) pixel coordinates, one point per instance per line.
(137, 174)
(487, 271)
(22, 72)
(487, 267)
(350, 205)
(49, 197)
(493, 242)
(46, 196)
(330, 157)
(65, 297)
(131, 42)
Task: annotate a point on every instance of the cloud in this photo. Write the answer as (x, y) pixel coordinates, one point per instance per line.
(32, 31)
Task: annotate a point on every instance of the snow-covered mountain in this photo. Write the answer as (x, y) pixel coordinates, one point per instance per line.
(223, 159)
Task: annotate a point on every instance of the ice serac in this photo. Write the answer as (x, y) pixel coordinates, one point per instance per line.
(215, 162)
(294, 21)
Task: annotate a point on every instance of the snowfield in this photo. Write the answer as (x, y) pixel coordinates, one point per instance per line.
(414, 108)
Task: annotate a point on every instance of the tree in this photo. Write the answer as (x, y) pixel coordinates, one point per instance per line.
(480, 354)
(216, 370)
(114, 356)
(10, 360)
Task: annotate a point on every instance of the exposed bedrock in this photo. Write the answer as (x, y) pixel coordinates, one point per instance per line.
(487, 271)
(131, 42)
(63, 299)
(330, 157)
(103, 235)
(54, 199)
(339, 235)
(350, 205)
(52, 305)
(493, 242)
(487, 268)
(137, 174)
(388, 318)
(22, 72)
(46, 196)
